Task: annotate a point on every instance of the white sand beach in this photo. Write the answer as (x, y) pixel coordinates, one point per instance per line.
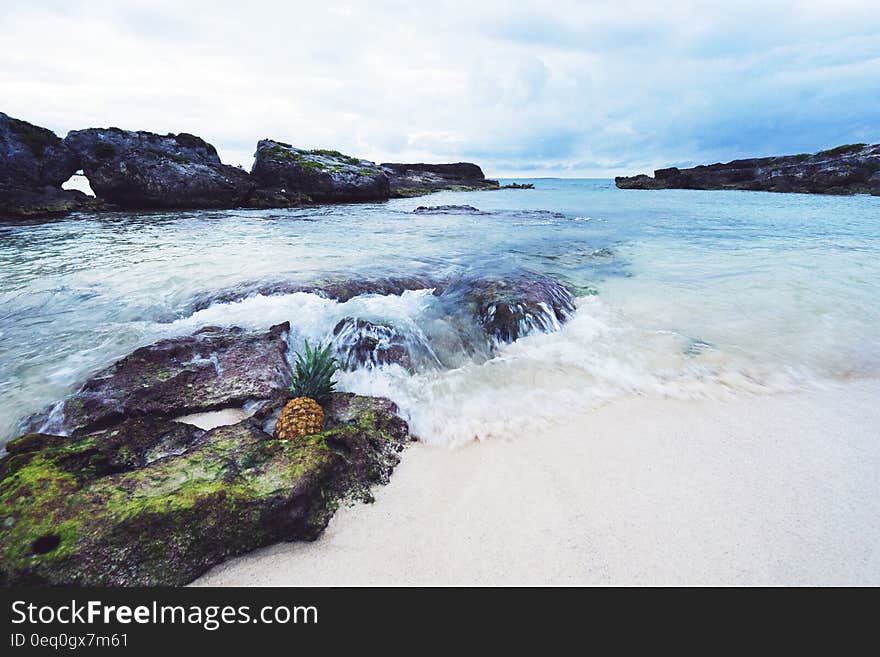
(777, 489)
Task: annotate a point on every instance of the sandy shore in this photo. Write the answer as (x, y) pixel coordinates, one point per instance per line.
(781, 489)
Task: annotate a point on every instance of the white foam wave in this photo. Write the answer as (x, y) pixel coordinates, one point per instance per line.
(601, 353)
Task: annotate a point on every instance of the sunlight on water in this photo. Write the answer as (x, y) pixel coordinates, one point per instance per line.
(680, 293)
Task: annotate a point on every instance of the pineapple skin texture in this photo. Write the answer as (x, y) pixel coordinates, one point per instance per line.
(300, 417)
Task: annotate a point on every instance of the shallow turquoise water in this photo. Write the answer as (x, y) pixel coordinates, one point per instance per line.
(697, 294)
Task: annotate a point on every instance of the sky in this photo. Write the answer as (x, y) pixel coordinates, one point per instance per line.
(522, 88)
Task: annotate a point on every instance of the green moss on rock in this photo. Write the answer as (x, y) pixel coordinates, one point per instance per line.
(34, 137)
(97, 510)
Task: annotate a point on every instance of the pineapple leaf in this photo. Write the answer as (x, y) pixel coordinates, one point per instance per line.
(313, 373)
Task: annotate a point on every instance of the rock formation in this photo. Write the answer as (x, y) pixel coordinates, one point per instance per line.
(288, 175)
(34, 162)
(513, 306)
(132, 496)
(139, 170)
(418, 179)
(849, 169)
(211, 369)
(144, 170)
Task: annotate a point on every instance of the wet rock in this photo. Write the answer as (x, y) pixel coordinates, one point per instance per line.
(145, 170)
(448, 209)
(122, 509)
(34, 162)
(360, 343)
(418, 179)
(512, 306)
(211, 369)
(21, 203)
(339, 289)
(320, 176)
(849, 169)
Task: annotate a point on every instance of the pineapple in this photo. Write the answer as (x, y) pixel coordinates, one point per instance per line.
(311, 386)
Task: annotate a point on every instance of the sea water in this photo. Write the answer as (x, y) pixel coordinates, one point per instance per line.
(684, 294)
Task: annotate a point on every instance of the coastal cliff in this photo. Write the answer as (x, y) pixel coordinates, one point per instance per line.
(849, 169)
(141, 170)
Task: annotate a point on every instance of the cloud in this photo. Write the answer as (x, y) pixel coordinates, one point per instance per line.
(572, 88)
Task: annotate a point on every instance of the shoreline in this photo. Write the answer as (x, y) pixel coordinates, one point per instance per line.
(777, 489)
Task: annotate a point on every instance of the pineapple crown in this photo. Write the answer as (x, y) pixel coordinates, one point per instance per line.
(313, 373)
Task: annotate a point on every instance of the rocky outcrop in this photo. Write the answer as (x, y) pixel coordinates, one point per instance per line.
(417, 179)
(849, 169)
(148, 502)
(20, 203)
(211, 369)
(515, 305)
(145, 170)
(505, 306)
(360, 343)
(139, 170)
(131, 496)
(34, 162)
(288, 175)
(339, 289)
(448, 209)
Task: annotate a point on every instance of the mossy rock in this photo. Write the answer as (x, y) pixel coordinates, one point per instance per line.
(158, 503)
(36, 138)
(321, 174)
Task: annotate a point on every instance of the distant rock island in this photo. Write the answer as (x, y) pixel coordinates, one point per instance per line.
(140, 170)
(848, 169)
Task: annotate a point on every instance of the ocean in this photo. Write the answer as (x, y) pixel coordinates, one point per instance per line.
(679, 294)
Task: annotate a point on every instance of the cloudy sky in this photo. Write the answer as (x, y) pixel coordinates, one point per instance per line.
(522, 88)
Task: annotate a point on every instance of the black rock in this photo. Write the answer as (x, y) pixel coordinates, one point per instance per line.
(448, 209)
(34, 162)
(849, 169)
(293, 175)
(19, 203)
(144, 170)
(32, 156)
(417, 179)
(512, 306)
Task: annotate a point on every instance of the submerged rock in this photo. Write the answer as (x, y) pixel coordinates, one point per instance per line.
(339, 289)
(34, 162)
(211, 369)
(360, 343)
(505, 306)
(294, 175)
(448, 209)
(849, 169)
(145, 170)
(513, 306)
(418, 179)
(152, 502)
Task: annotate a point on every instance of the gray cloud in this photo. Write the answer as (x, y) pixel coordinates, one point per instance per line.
(575, 88)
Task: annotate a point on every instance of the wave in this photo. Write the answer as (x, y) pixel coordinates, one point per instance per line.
(458, 387)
